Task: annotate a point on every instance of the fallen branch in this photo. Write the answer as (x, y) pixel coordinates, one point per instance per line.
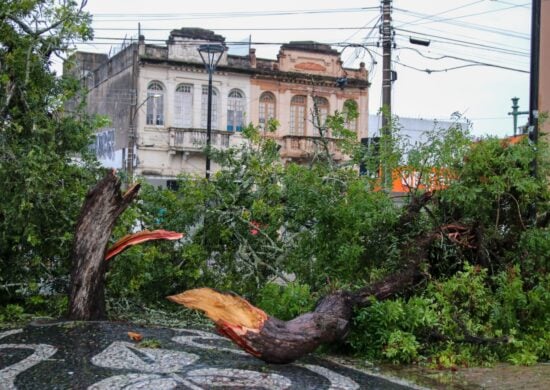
(276, 341)
(138, 238)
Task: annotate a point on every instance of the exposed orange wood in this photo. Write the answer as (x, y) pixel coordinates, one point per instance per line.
(137, 238)
(223, 308)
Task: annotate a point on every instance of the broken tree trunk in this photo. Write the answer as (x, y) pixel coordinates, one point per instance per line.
(276, 341)
(101, 208)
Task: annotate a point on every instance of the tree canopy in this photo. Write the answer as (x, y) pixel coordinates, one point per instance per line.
(45, 166)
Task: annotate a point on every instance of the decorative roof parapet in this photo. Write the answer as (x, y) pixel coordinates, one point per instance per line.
(196, 33)
(311, 46)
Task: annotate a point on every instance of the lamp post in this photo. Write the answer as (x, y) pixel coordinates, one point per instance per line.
(132, 137)
(210, 55)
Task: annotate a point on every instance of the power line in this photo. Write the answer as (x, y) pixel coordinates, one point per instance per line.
(444, 56)
(494, 30)
(462, 42)
(508, 3)
(438, 20)
(372, 29)
(476, 39)
(122, 40)
(430, 71)
(467, 52)
(240, 29)
(442, 13)
(212, 15)
(473, 63)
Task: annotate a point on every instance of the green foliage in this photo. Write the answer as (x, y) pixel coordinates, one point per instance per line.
(259, 220)
(45, 166)
(462, 320)
(285, 301)
(150, 343)
(12, 313)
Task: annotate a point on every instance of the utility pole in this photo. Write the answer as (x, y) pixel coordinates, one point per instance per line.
(534, 92)
(515, 113)
(534, 73)
(387, 42)
(386, 32)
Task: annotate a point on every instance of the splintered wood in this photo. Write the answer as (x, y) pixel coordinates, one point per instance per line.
(224, 308)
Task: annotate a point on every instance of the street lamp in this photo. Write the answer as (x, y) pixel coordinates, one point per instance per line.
(132, 137)
(210, 55)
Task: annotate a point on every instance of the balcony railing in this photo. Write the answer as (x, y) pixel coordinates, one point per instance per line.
(194, 140)
(305, 147)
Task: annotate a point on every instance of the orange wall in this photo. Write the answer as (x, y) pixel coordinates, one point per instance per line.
(284, 91)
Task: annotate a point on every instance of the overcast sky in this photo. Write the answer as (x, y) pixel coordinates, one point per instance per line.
(490, 31)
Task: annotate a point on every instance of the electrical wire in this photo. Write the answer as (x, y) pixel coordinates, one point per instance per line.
(444, 56)
(430, 71)
(479, 27)
(242, 29)
(473, 63)
(442, 13)
(460, 42)
(458, 52)
(470, 15)
(474, 40)
(195, 44)
(356, 51)
(221, 15)
(507, 3)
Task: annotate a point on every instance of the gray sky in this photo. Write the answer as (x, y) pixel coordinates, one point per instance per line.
(489, 31)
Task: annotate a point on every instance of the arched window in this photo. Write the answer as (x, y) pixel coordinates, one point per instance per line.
(235, 110)
(204, 107)
(322, 107)
(183, 106)
(298, 115)
(351, 113)
(267, 108)
(155, 104)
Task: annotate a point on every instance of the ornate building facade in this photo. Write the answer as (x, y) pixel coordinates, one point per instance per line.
(156, 99)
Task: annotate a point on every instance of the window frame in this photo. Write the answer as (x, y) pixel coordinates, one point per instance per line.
(235, 110)
(155, 105)
(183, 106)
(267, 108)
(215, 107)
(298, 115)
(322, 109)
(353, 124)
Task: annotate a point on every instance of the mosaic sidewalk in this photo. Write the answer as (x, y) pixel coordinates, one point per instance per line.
(100, 355)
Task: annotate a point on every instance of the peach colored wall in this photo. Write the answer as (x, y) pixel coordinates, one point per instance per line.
(284, 92)
(544, 67)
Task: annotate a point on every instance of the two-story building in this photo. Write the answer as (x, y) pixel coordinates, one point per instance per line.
(156, 98)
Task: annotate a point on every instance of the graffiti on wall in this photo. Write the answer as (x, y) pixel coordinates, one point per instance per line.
(104, 146)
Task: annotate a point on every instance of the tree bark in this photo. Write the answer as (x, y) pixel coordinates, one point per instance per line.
(276, 341)
(101, 208)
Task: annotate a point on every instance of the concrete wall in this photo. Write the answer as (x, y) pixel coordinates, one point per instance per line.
(153, 144)
(110, 93)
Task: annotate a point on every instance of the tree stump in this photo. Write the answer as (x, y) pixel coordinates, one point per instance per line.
(102, 206)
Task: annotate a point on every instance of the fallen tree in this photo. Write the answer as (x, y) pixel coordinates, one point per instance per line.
(276, 341)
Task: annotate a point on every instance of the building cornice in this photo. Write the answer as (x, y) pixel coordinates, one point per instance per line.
(260, 73)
